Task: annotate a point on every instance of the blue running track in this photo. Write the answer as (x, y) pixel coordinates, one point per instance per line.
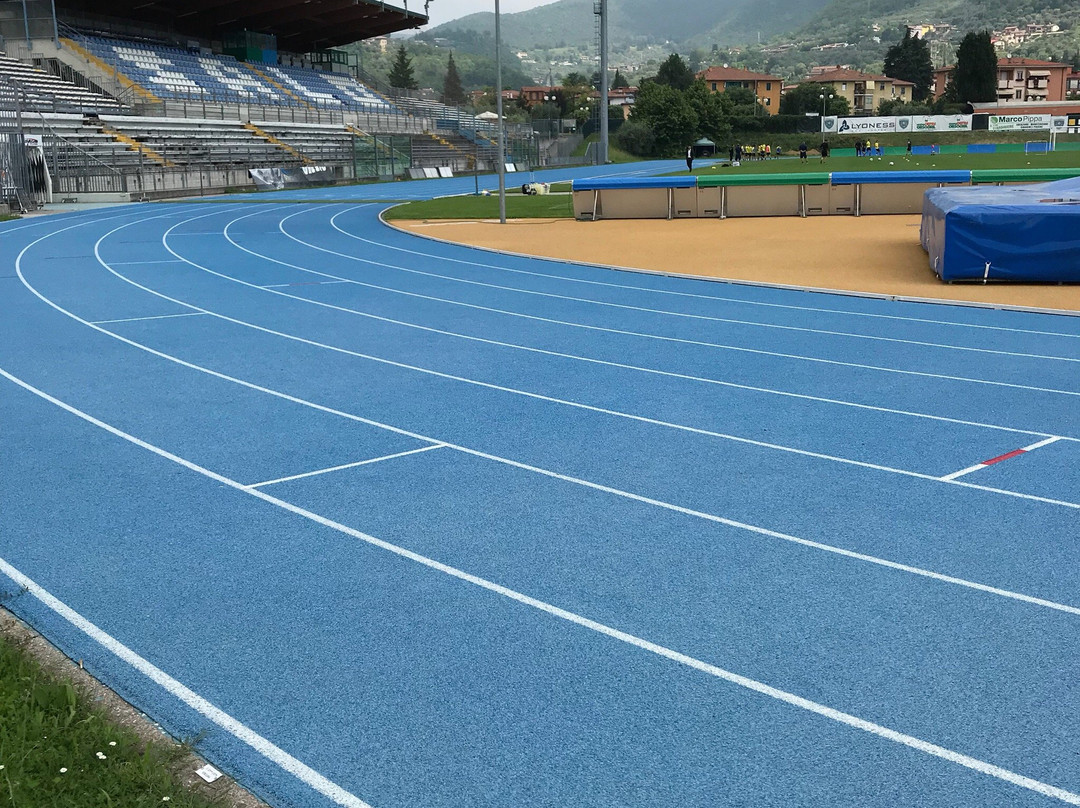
(388, 522)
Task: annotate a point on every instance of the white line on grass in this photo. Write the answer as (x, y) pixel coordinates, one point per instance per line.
(348, 466)
(760, 531)
(630, 287)
(328, 788)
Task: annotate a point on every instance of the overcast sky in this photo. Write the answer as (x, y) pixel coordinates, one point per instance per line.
(445, 10)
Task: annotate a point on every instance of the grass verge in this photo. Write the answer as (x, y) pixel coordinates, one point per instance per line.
(518, 206)
(58, 749)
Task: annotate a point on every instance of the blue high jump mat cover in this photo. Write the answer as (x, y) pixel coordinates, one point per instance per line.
(1021, 233)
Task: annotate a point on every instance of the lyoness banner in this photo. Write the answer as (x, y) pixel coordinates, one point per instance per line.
(854, 126)
(934, 123)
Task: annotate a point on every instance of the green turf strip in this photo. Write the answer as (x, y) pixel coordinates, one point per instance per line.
(518, 206)
(57, 750)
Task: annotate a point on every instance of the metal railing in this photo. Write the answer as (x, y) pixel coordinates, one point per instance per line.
(21, 183)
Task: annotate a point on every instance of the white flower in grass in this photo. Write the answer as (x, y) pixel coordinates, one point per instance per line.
(101, 755)
(164, 799)
(112, 743)
(1, 765)
(63, 770)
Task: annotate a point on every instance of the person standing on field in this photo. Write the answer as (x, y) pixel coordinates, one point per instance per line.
(689, 158)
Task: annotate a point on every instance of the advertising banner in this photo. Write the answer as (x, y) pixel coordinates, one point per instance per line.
(832, 125)
(934, 123)
(1020, 123)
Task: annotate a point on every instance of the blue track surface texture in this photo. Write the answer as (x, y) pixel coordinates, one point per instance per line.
(387, 522)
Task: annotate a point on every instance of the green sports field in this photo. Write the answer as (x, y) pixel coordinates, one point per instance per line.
(895, 159)
(560, 205)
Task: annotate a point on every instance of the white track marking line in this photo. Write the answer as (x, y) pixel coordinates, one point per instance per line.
(559, 354)
(993, 461)
(1042, 443)
(283, 285)
(143, 263)
(535, 396)
(962, 473)
(321, 784)
(742, 526)
(347, 466)
(644, 335)
(238, 730)
(708, 318)
(646, 290)
(515, 391)
(156, 317)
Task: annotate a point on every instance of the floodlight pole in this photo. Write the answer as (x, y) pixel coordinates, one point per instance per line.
(604, 82)
(499, 111)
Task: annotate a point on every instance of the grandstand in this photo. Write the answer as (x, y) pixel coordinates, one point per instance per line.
(141, 99)
(41, 90)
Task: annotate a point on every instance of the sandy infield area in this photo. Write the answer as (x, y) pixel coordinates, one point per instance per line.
(866, 254)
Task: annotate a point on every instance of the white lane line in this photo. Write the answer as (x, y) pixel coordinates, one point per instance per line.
(139, 263)
(283, 285)
(323, 785)
(559, 354)
(1042, 443)
(646, 290)
(156, 317)
(962, 473)
(348, 466)
(535, 396)
(742, 526)
(173, 687)
(641, 334)
(1000, 458)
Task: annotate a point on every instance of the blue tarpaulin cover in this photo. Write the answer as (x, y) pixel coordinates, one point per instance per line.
(1018, 233)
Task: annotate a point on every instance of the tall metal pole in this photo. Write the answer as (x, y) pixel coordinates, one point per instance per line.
(499, 112)
(604, 83)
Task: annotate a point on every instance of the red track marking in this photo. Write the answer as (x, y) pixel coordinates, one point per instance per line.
(999, 458)
(1005, 456)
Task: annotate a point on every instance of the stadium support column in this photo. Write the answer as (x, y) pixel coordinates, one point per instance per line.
(501, 167)
(601, 9)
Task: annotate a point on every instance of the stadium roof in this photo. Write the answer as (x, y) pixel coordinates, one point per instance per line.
(300, 25)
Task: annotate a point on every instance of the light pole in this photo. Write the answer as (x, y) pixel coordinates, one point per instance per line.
(822, 97)
(499, 111)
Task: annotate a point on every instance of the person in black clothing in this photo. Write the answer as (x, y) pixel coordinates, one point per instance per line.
(689, 158)
(824, 150)
(802, 152)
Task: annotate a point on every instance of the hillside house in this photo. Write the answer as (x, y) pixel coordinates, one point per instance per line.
(764, 86)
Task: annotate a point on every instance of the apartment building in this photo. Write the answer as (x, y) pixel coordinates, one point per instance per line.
(863, 91)
(1019, 80)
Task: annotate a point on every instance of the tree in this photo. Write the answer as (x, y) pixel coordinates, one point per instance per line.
(909, 59)
(896, 106)
(669, 115)
(975, 77)
(619, 81)
(453, 92)
(575, 79)
(401, 74)
(805, 98)
(674, 73)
